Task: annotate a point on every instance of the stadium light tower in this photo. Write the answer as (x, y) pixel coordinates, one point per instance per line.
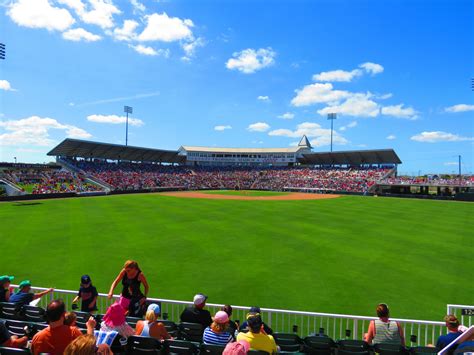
(2, 51)
(127, 110)
(332, 117)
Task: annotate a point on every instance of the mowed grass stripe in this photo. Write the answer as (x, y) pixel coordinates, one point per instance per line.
(340, 255)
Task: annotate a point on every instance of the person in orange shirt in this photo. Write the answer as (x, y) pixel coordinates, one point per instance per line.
(150, 327)
(57, 336)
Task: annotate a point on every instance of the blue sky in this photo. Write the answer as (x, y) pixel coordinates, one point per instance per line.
(240, 74)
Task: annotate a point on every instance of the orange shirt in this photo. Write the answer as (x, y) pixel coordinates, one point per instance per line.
(54, 340)
(157, 330)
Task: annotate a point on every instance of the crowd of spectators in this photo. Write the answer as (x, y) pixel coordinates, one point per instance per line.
(433, 180)
(135, 176)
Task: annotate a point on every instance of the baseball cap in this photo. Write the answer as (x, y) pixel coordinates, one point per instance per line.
(255, 309)
(199, 299)
(254, 320)
(85, 279)
(24, 283)
(6, 278)
(155, 308)
(221, 317)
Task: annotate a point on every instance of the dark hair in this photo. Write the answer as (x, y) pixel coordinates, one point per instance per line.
(382, 310)
(227, 309)
(55, 310)
(451, 321)
(254, 322)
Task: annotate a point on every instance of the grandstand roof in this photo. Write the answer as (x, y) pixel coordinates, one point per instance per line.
(240, 150)
(354, 157)
(87, 149)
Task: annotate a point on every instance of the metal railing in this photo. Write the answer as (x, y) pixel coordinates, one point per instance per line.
(336, 326)
(464, 313)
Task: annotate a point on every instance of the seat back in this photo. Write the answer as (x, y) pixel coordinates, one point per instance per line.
(19, 328)
(389, 349)
(288, 341)
(353, 345)
(190, 331)
(12, 351)
(257, 352)
(138, 345)
(33, 314)
(318, 345)
(10, 311)
(211, 349)
(181, 347)
(348, 352)
(423, 350)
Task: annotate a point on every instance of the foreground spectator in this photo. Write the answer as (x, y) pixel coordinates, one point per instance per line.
(256, 310)
(452, 323)
(5, 281)
(241, 347)
(86, 345)
(257, 339)
(114, 319)
(132, 277)
(383, 330)
(218, 333)
(197, 313)
(12, 341)
(23, 296)
(150, 327)
(88, 295)
(57, 336)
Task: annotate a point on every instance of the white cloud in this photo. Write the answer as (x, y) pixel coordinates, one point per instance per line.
(5, 85)
(191, 46)
(384, 96)
(439, 136)
(400, 112)
(161, 27)
(372, 68)
(138, 7)
(250, 60)
(80, 34)
(40, 14)
(146, 50)
(263, 98)
(318, 93)
(357, 105)
(116, 99)
(320, 136)
(287, 116)
(101, 14)
(222, 128)
(127, 31)
(34, 130)
(114, 119)
(350, 125)
(77, 5)
(452, 163)
(391, 137)
(337, 75)
(459, 108)
(258, 127)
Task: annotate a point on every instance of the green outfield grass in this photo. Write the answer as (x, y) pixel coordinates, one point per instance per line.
(245, 193)
(341, 255)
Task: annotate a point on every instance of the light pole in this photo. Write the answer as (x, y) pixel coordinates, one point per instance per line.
(2, 51)
(332, 117)
(459, 162)
(15, 159)
(127, 110)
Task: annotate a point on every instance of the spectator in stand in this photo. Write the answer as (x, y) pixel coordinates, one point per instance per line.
(150, 327)
(218, 333)
(115, 320)
(256, 310)
(88, 294)
(383, 330)
(196, 313)
(233, 326)
(57, 336)
(132, 277)
(5, 292)
(256, 337)
(452, 323)
(241, 347)
(23, 295)
(12, 341)
(86, 345)
(70, 318)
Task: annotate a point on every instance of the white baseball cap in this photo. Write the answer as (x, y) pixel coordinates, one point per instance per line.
(199, 299)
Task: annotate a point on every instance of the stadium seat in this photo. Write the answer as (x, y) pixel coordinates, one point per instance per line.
(190, 331)
(348, 352)
(320, 345)
(82, 318)
(20, 328)
(389, 349)
(211, 349)
(181, 347)
(423, 350)
(13, 351)
(33, 314)
(257, 352)
(353, 345)
(138, 345)
(10, 311)
(288, 342)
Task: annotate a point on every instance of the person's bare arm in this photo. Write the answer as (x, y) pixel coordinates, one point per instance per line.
(90, 324)
(75, 299)
(370, 332)
(142, 278)
(41, 294)
(114, 284)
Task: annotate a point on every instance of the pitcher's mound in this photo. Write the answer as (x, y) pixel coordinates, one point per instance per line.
(242, 195)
